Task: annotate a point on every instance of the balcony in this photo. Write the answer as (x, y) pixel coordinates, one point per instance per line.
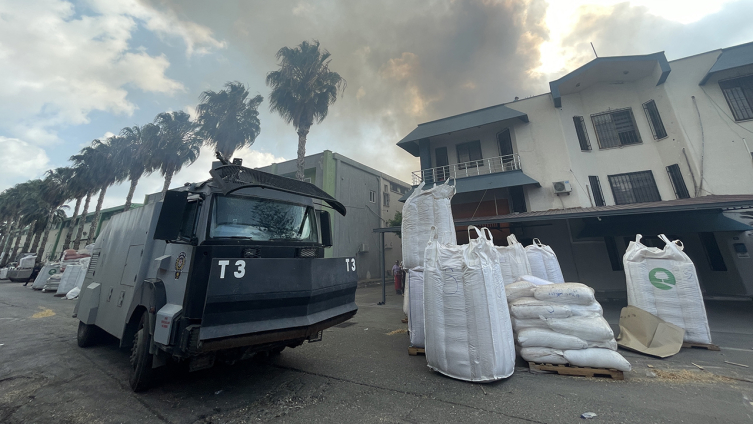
(468, 169)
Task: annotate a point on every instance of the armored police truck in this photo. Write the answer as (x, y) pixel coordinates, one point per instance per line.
(218, 270)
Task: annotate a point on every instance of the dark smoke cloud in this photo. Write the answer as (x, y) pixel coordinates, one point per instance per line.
(405, 62)
(626, 30)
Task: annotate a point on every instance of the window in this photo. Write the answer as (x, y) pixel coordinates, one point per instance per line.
(580, 129)
(596, 190)
(469, 152)
(386, 200)
(372, 196)
(386, 188)
(396, 188)
(713, 254)
(678, 183)
(634, 187)
(261, 219)
(739, 95)
(654, 120)
(616, 128)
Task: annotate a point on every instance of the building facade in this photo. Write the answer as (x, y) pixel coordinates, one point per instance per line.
(371, 198)
(620, 146)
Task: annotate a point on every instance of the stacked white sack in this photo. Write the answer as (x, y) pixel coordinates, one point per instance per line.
(415, 286)
(513, 260)
(422, 211)
(664, 282)
(73, 276)
(561, 324)
(544, 263)
(467, 323)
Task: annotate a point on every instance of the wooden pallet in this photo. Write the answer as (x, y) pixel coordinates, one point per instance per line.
(708, 346)
(413, 351)
(404, 320)
(577, 371)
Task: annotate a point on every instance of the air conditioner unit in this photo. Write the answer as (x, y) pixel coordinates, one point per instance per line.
(562, 187)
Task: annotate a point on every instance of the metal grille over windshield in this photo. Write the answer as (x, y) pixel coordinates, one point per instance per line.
(261, 219)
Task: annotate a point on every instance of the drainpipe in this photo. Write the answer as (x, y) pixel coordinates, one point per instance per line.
(703, 146)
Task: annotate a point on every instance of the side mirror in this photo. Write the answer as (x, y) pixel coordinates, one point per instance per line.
(171, 216)
(326, 226)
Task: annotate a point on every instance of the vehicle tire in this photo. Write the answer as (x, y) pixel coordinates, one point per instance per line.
(276, 351)
(141, 360)
(87, 334)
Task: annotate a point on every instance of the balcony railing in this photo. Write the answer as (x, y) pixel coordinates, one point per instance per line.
(468, 169)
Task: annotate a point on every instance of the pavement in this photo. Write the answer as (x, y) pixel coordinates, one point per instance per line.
(360, 372)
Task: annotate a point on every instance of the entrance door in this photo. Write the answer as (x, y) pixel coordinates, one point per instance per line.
(505, 150)
(443, 169)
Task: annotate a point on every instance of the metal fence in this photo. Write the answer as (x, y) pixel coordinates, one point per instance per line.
(468, 169)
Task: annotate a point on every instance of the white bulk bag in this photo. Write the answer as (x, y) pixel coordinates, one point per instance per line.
(415, 284)
(423, 210)
(27, 261)
(590, 329)
(569, 293)
(467, 322)
(664, 283)
(70, 278)
(543, 355)
(539, 337)
(597, 358)
(406, 300)
(44, 274)
(3, 273)
(536, 281)
(530, 308)
(513, 260)
(544, 263)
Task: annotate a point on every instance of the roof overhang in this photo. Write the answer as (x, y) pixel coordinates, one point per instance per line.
(464, 121)
(732, 57)
(614, 70)
(716, 202)
(662, 223)
(484, 182)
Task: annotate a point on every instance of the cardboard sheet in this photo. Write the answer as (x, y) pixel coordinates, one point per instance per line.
(643, 332)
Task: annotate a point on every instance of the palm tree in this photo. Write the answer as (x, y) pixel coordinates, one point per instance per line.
(178, 144)
(302, 90)
(228, 120)
(33, 211)
(54, 192)
(134, 155)
(105, 172)
(79, 187)
(10, 206)
(86, 170)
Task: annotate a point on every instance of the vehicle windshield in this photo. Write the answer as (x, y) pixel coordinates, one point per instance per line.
(261, 219)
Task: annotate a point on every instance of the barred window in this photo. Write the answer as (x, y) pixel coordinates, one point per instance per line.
(739, 95)
(596, 190)
(580, 129)
(616, 128)
(654, 120)
(678, 183)
(634, 187)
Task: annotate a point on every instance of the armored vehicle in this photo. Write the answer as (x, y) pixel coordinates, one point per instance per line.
(218, 270)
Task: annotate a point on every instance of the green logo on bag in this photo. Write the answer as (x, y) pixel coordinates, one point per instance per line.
(661, 278)
(53, 271)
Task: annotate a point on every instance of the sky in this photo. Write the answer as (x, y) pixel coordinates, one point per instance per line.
(75, 71)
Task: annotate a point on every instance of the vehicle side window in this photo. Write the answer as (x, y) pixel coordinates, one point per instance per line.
(188, 229)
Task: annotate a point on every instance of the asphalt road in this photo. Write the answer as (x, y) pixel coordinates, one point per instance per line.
(358, 373)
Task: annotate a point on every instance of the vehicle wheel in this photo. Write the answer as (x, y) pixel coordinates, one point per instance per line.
(87, 334)
(276, 351)
(141, 359)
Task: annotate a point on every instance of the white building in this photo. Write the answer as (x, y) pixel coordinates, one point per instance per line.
(620, 146)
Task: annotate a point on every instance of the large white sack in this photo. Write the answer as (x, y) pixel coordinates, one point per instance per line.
(597, 358)
(73, 276)
(518, 289)
(664, 283)
(530, 308)
(3, 273)
(536, 281)
(415, 282)
(543, 355)
(611, 344)
(594, 308)
(423, 210)
(73, 293)
(27, 261)
(544, 263)
(570, 293)
(406, 298)
(590, 329)
(467, 322)
(538, 337)
(512, 260)
(522, 324)
(44, 274)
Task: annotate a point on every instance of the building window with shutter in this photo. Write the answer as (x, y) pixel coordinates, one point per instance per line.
(469, 154)
(372, 196)
(634, 187)
(678, 183)
(616, 128)
(739, 95)
(596, 190)
(580, 129)
(654, 120)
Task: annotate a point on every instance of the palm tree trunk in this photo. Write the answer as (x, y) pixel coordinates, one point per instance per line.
(14, 252)
(95, 221)
(134, 182)
(301, 162)
(47, 230)
(29, 236)
(168, 179)
(82, 222)
(35, 243)
(8, 241)
(69, 234)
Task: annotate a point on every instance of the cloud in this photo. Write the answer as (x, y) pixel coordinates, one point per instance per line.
(24, 161)
(59, 65)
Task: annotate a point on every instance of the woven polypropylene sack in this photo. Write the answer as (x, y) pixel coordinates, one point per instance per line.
(568, 293)
(531, 308)
(415, 283)
(513, 260)
(590, 329)
(423, 210)
(597, 358)
(544, 263)
(543, 355)
(539, 337)
(518, 289)
(664, 283)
